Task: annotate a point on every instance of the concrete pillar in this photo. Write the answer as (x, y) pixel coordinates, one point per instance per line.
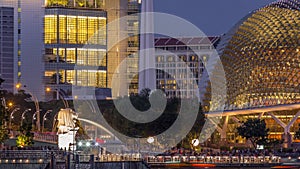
(222, 130)
(286, 136)
(287, 140)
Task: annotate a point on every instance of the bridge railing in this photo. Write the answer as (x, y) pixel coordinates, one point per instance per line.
(23, 155)
(49, 137)
(214, 159)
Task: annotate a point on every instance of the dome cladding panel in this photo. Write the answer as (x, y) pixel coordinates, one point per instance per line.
(262, 59)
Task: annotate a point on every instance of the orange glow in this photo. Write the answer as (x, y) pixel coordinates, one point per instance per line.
(48, 89)
(18, 86)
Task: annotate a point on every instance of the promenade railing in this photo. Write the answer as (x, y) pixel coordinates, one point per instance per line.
(243, 159)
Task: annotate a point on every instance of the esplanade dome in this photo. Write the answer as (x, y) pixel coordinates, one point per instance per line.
(261, 58)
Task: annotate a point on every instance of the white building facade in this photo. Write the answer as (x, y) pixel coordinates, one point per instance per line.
(182, 61)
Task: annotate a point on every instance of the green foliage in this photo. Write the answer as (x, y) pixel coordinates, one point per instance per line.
(3, 135)
(195, 131)
(254, 130)
(26, 137)
(23, 141)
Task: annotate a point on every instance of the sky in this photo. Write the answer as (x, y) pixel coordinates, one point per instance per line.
(213, 17)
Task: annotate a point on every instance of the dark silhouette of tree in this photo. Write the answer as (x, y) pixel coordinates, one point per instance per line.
(1, 81)
(297, 133)
(145, 92)
(254, 130)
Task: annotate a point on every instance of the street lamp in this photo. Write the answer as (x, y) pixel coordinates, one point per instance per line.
(37, 107)
(23, 115)
(150, 140)
(44, 118)
(12, 115)
(195, 143)
(59, 95)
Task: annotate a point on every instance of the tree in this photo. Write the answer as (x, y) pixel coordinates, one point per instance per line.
(3, 135)
(145, 92)
(26, 137)
(194, 132)
(254, 130)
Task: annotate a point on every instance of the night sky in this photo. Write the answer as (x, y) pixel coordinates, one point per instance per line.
(213, 17)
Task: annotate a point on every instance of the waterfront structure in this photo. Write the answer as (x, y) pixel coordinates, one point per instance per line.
(176, 57)
(261, 56)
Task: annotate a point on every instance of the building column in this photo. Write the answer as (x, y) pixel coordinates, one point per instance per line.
(222, 130)
(286, 136)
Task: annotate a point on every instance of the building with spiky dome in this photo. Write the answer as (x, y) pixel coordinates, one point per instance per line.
(260, 56)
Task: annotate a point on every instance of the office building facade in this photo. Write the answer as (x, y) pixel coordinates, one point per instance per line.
(10, 43)
(182, 61)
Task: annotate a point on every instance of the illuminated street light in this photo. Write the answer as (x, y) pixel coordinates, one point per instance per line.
(36, 103)
(44, 118)
(195, 142)
(23, 115)
(12, 115)
(150, 140)
(59, 95)
(10, 104)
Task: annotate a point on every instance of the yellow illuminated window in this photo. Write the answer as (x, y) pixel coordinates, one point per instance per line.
(71, 30)
(82, 31)
(62, 29)
(50, 29)
(71, 55)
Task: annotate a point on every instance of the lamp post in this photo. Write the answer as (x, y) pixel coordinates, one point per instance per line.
(59, 95)
(23, 115)
(150, 140)
(44, 118)
(37, 107)
(195, 143)
(54, 120)
(12, 115)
